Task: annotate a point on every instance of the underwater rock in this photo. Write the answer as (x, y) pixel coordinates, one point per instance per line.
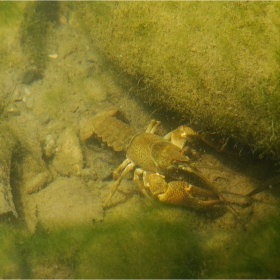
(66, 201)
(31, 75)
(96, 90)
(25, 128)
(19, 131)
(13, 110)
(49, 146)
(68, 159)
(214, 64)
(38, 182)
(87, 128)
(7, 206)
(44, 118)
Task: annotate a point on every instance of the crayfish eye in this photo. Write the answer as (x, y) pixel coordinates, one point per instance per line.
(181, 165)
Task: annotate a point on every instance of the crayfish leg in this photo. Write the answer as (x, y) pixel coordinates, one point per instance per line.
(137, 173)
(152, 127)
(127, 169)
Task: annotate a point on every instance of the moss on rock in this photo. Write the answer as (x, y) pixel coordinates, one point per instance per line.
(214, 63)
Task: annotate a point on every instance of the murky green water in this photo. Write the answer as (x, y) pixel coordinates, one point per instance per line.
(54, 178)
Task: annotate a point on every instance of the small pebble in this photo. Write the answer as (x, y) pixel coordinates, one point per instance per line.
(74, 108)
(53, 55)
(17, 95)
(49, 146)
(14, 111)
(44, 118)
(29, 103)
(30, 76)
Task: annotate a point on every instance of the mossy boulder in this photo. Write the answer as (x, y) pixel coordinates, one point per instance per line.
(215, 64)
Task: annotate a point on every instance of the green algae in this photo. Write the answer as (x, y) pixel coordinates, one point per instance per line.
(251, 255)
(10, 265)
(146, 245)
(10, 12)
(140, 246)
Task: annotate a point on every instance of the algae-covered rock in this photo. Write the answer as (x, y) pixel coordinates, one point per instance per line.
(69, 158)
(216, 64)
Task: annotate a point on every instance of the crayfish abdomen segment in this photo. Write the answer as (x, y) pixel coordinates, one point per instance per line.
(115, 133)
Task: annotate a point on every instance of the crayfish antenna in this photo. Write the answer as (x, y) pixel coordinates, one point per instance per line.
(268, 184)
